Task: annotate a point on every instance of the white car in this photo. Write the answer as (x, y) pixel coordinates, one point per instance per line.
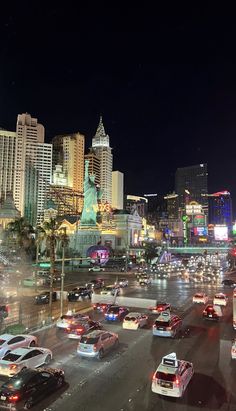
(133, 321)
(233, 350)
(220, 299)
(70, 318)
(200, 298)
(172, 376)
(10, 342)
(24, 357)
(110, 290)
(123, 282)
(96, 269)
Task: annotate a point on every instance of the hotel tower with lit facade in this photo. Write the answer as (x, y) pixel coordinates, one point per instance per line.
(101, 147)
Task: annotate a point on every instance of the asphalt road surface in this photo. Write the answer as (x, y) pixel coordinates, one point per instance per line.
(121, 381)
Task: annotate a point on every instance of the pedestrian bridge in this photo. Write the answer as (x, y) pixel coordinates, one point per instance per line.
(199, 250)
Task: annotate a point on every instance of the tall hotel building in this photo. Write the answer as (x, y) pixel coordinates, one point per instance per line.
(7, 162)
(191, 184)
(68, 151)
(102, 149)
(33, 168)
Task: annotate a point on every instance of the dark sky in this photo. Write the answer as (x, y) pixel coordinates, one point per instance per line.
(164, 80)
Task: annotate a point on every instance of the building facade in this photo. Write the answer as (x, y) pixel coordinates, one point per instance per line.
(102, 149)
(117, 190)
(140, 204)
(7, 162)
(172, 205)
(220, 208)
(33, 168)
(191, 184)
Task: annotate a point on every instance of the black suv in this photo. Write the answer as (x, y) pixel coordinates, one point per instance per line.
(81, 292)
(43, 298)
(29, 386)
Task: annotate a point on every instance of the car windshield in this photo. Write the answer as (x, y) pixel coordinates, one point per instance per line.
(113, 310)
(2, 342)
(66, 317)
(89, 340)
(108, 288)
(11, 357)
(130, 318)
(221, 297)
(162, 323)
(198, 295)
(165, 376)
(14, 383)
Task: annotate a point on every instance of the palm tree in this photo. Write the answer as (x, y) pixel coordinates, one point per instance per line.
(52, 234)
(21, 233)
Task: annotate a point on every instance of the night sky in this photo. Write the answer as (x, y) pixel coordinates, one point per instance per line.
(164, 81)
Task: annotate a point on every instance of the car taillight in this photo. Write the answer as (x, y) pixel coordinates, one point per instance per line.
(95, 348)
(177, 381)
(94, 305)
(154, 326)
(12, 366)
(136, 322)
(168, 328)
(68, 329)
(79, 330)
(13, 398)
(234, 350)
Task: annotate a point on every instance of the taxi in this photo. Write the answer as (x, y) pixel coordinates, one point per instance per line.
(200, 298)
(220, 299)
(167, 325)
(172, 376)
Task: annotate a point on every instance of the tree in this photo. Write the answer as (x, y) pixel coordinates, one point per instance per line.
(21, 233)
(150, 251)
(50, 233)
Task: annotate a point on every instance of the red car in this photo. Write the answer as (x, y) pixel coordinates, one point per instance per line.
(159, 308)
(102, 307)
(76, 330)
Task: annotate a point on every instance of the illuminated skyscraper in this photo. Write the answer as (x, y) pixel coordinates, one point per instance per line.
(117, 190)
(7, 162)
(33, 168)
(102, 149)
(190, 183)
(220, 208)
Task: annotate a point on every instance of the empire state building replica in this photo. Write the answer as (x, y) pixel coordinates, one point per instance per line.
(101, 147)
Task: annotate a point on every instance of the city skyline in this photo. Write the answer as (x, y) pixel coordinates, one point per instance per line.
(171, 101)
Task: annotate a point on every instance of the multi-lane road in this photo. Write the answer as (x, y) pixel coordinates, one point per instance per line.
(122, 380)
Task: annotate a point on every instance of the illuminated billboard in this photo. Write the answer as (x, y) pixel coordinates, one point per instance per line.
(200, 231)
(221, 232)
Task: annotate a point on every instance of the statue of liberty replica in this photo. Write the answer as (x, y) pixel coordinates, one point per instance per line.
(88, 231)
(91, 197)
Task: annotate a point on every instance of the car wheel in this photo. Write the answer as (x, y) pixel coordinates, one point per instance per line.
(32, 344)
(60, 382)
(101, 354)
(48, 359)
(28, 404)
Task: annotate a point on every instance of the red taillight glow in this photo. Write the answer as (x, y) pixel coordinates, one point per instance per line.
(14, 398)
(79, 330)
(13, 366)
(95, 347)
(177, 381)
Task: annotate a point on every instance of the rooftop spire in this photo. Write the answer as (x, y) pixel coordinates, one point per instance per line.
(100, 130)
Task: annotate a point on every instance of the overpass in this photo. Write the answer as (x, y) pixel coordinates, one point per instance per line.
(198, 250)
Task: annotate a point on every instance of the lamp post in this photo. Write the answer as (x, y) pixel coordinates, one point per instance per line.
(62, 271)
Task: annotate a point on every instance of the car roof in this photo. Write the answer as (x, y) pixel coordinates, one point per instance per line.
(6, 336)
(96, 333)
(133, 314)
(22, 350)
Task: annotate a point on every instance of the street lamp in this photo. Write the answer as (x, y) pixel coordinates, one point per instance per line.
(63, 243)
